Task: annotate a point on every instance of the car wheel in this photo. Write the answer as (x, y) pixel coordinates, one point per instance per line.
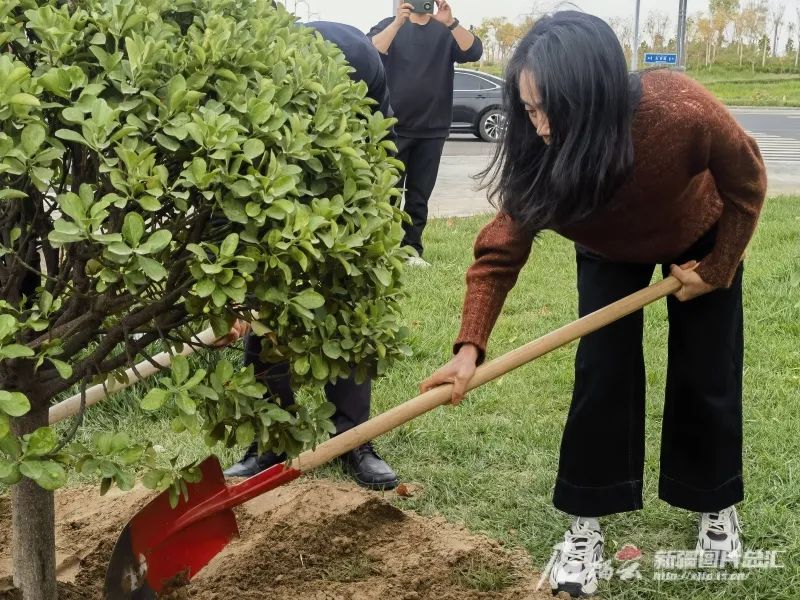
(491, 125)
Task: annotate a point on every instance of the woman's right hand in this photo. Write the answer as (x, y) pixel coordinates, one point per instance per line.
(239, 329)
(403, 14)
(458, 371)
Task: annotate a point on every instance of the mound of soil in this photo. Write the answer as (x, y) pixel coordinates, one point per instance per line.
(310, 540)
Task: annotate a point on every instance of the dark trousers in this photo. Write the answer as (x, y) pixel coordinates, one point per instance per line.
(352, 400)
(602, 449)
(421, 156)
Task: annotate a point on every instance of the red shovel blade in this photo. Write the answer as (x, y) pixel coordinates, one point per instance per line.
(161, 545)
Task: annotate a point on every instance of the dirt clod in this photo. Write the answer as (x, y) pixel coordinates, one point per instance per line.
(408, 490)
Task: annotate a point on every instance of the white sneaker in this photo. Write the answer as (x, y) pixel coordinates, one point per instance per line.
(575, 567)
(416, 261)
(720, 532)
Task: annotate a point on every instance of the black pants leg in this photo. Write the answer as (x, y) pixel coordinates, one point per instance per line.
(602, 449)
(602, 452)
(701, 436)
(352, 400)
(421, 156)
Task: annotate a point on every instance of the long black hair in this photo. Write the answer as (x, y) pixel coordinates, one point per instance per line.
(589, 99)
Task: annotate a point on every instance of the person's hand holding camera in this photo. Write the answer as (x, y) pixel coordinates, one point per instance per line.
(404, 10)
(444, 13)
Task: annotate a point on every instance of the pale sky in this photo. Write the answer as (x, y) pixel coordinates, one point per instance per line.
(365, 13)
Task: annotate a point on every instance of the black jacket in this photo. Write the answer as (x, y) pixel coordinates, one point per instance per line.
(362, 56)
(419, 68)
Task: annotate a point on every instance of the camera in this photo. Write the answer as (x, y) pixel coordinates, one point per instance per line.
(423, 6)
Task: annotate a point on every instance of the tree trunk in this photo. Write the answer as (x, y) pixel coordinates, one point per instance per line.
(775, 40)
(33, 547)
(764, 56)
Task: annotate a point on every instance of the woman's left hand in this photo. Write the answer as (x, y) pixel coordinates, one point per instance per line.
(693, 286)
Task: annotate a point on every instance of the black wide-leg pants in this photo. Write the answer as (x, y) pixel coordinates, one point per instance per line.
(602, 449)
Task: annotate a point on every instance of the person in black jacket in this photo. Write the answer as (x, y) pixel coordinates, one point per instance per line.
(352, 400)
(418, 52)
(362, 56)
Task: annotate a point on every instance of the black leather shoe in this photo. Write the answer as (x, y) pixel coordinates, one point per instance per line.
(252, 463)
(369, 469)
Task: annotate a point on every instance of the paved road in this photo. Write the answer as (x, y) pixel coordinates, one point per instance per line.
(784, 123)
(777, 132)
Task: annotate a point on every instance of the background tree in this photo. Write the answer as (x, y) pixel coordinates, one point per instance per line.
(722, 16)
(482, 31)
(776, 20)
(705, 34)
(764, 45)
(754, 23)
(797, 45)
(506, 35)
(487, 31)
(729, 32)
(165, 164)
(655, 28)
(623, 27)
(747, 27)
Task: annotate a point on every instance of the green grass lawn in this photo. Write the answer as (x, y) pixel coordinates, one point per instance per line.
(723, 73)
(491, 463)
(778, 91)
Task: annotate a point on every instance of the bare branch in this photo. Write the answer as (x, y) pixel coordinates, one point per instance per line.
(73, 431)
(64, 330)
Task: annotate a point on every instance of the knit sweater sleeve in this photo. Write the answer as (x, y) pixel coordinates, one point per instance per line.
(501, 251)
(735, 162)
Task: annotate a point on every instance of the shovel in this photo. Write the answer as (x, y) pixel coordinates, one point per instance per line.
(72, 405)
(161, 546)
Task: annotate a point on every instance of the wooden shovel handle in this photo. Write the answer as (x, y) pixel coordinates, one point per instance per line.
(96, 393)
(423, 403)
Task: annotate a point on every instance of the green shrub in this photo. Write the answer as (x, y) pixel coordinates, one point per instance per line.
(165, 164)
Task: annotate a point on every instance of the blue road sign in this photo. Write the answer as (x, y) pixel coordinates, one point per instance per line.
(651, 58)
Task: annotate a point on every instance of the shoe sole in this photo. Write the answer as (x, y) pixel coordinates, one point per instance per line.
(573, 589)
(378, 487)
(239, 475)
(246, 474)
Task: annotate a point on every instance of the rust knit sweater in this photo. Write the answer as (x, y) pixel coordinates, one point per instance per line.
(694, 167)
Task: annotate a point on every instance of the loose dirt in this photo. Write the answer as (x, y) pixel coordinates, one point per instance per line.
(310, 540)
